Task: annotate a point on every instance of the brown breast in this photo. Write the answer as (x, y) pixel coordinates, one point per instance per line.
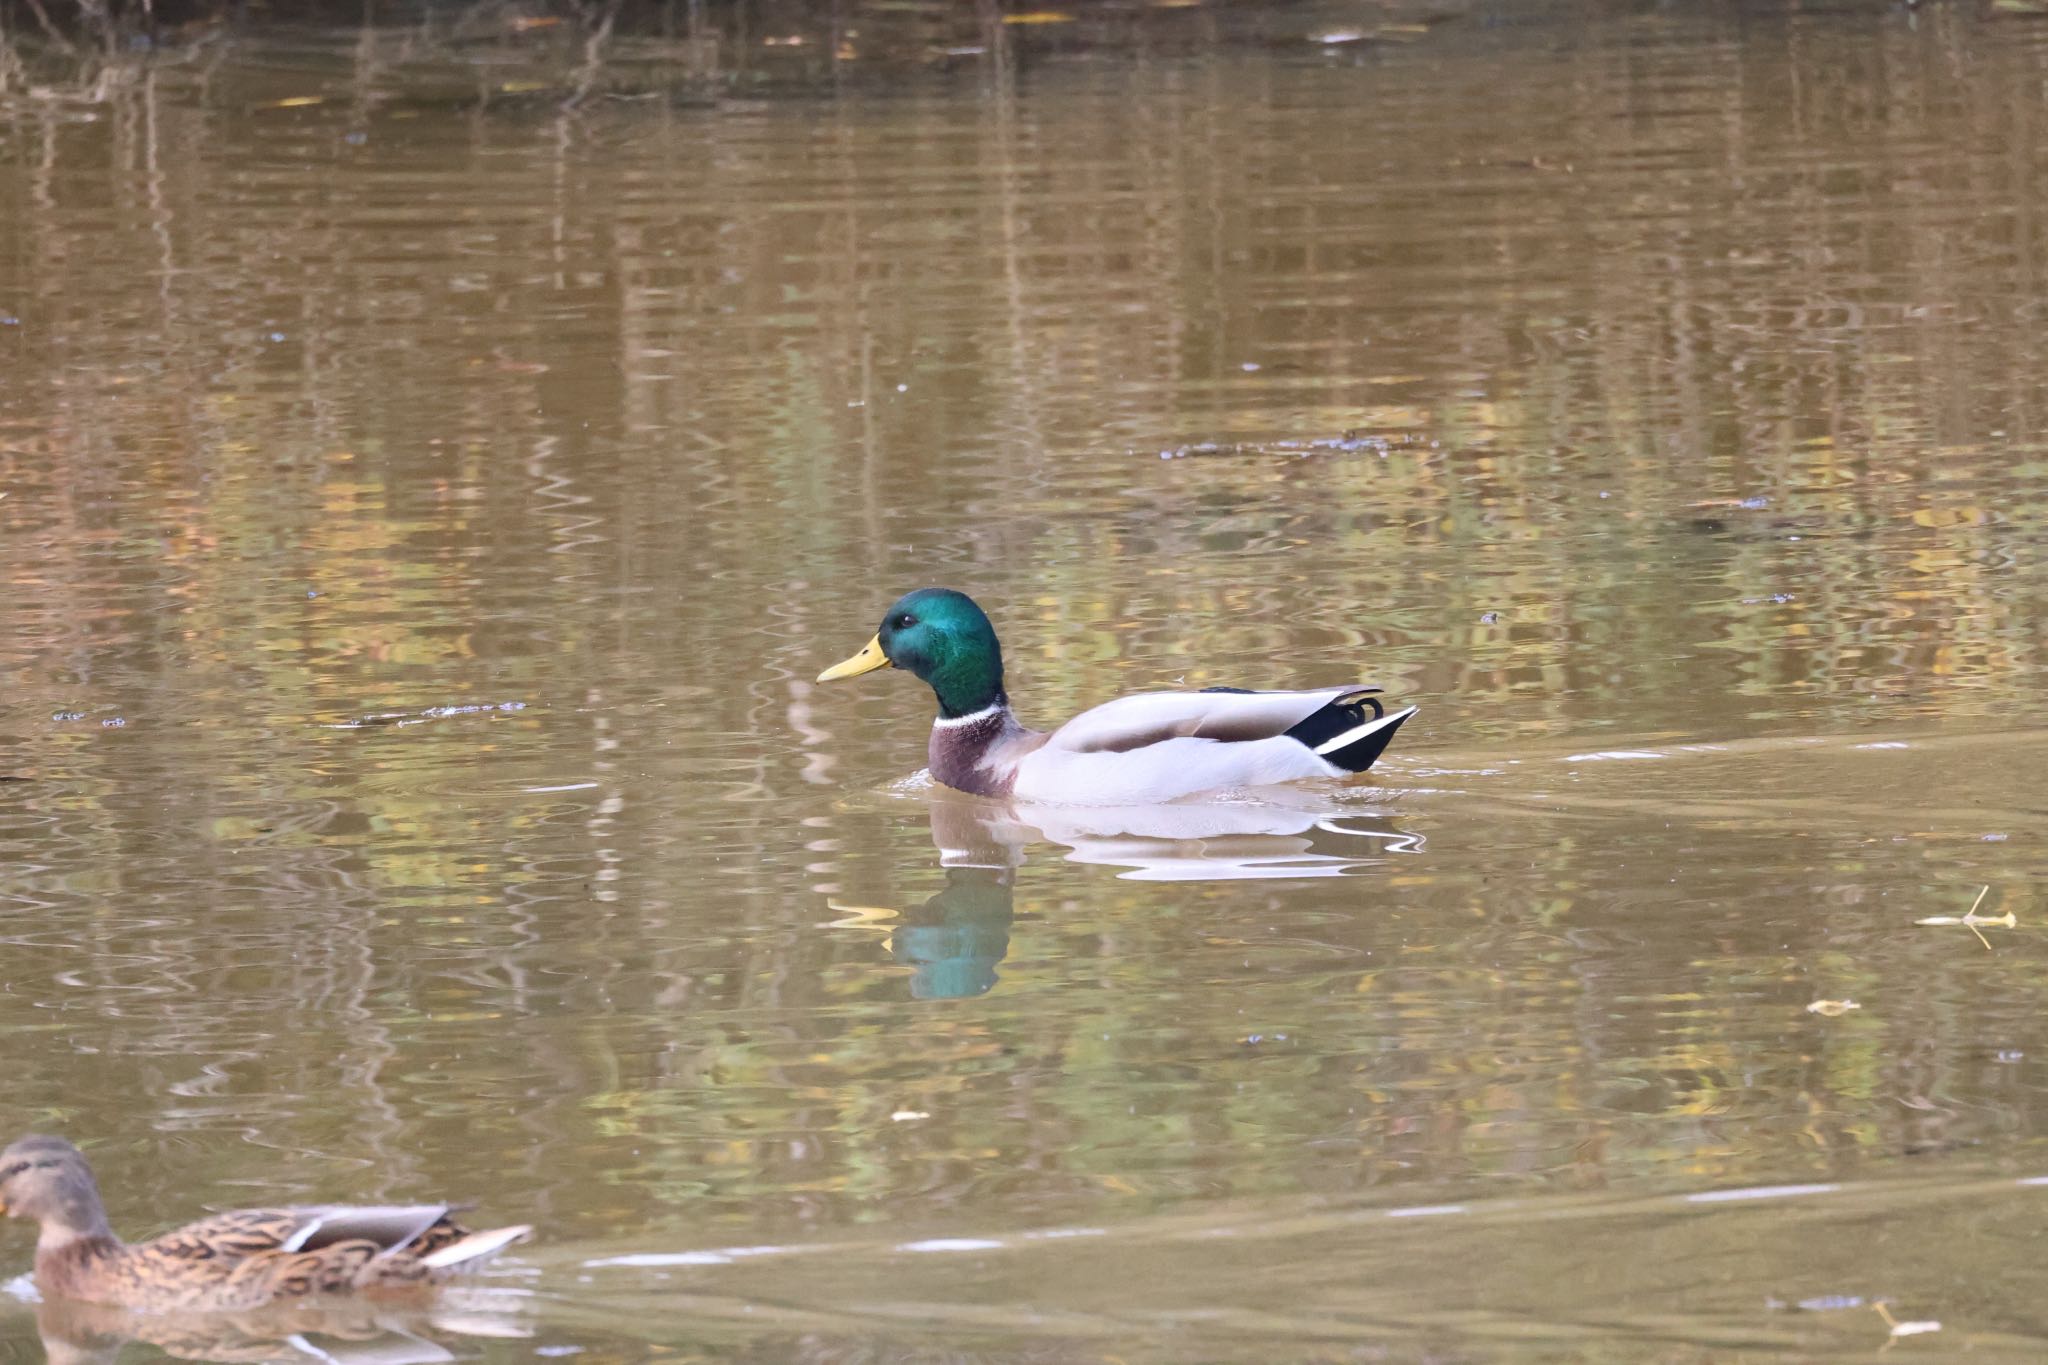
(960, 752)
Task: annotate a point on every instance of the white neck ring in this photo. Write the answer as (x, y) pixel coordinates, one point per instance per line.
(946, 723)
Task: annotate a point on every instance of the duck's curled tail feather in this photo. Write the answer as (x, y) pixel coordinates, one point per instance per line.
(1350, 731)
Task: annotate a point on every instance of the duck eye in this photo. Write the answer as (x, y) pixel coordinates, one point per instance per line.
(904, 621)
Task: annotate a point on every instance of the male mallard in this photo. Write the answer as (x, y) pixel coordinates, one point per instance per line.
(231, 1261)
(1155, 746)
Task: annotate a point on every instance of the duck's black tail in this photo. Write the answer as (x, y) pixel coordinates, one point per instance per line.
(1351, 731)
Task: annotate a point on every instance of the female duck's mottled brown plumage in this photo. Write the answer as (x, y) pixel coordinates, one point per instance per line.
(231, 1261)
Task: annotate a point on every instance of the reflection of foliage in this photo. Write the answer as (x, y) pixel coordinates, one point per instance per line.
(694, 51)
(358, 383)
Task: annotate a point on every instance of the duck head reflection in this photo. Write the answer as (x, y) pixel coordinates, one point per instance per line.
(953, 941)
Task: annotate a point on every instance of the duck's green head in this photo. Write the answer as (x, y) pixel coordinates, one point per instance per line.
(942, 637)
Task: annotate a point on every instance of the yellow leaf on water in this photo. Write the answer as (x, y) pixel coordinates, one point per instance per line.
(1832, 1009)
(295, 102)
(1039, 16)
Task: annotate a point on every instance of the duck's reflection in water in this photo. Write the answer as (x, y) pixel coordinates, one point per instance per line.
(953, 943)
(347, 1331)
(1290, 834)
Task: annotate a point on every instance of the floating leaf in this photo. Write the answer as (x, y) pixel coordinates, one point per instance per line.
(1832, 1009)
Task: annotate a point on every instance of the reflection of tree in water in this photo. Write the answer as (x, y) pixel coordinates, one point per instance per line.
(1777, 554)
(562, 52)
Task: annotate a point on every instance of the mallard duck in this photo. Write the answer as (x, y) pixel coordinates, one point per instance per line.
(232, 1261)
(1151, 747)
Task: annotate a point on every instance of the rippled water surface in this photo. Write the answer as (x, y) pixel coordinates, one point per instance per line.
(425, 501)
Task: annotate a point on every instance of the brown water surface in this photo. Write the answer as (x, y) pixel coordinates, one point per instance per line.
(424, 503)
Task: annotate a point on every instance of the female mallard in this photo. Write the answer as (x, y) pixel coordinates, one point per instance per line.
(1155, 746)
(231, 1261)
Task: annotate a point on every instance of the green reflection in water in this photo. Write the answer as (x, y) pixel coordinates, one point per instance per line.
(954, 941)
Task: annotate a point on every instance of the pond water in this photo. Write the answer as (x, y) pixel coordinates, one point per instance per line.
(425, 502)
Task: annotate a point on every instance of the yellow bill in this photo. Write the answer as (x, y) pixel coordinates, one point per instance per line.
(868, 660)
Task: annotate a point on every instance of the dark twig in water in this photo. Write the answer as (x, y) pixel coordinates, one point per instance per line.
(49, 28)
(593, 56)
(1970, 919)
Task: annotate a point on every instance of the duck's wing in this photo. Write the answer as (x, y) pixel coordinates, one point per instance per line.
(230, 1236)
(393, 1227)
(250, 1257)
(425, 1235)
(256, 1232)
(1147, 718)
(225, 1263)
